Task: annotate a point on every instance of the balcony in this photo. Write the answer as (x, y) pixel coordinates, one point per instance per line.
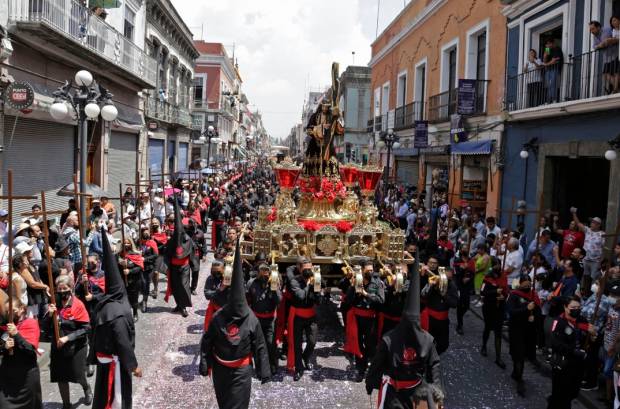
(444, 105)
(406, 115)
(581, 78)
(167, 112)
(72, 26)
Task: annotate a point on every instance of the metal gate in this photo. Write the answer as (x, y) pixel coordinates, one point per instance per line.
(41, 155)
(121, 162)
(407, 172)
(182, 163)
(156, 157)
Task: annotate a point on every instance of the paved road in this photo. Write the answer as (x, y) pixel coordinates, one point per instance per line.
(167, 349)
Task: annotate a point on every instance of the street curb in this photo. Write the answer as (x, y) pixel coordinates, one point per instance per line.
(587, 401)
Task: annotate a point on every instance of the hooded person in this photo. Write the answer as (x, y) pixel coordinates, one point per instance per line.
(113, 339)
(179, 250)
(405, 368)
(233, 338)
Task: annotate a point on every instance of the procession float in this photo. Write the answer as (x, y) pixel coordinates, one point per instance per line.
(334, 220)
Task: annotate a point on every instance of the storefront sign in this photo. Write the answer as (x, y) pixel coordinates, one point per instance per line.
(436, 150)
(19, 95)
(466, 100)
(421, 134)
(457, 129)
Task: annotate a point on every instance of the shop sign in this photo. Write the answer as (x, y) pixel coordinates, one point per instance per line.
(436, 150)
(420, 139)
(466, 99)
(19, 95)
(457, 129)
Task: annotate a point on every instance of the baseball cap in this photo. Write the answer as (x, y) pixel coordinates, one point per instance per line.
(3, 213)
(597, 220)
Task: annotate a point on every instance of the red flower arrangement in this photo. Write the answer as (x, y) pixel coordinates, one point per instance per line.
(323, 188)
(273, 215)
(310, 225)
(344, 226)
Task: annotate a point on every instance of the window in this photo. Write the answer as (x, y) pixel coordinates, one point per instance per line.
(162, 62)
(377, 101)
(199, 89)
(419, 92)
(385, 98)
(449, 68)
(481, 58)
(401, 90)
(130, 23)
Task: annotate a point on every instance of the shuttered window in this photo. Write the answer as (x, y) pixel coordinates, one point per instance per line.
(121, 162)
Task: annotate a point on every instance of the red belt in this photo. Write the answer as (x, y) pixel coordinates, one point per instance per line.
(399, 385)
(211, 309)
(265, 315)
(381, 321)
(237, 363)
(179, 261)
(351, 344)
(438, 315)
(295, 312)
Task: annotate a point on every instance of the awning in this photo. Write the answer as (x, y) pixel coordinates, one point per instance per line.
(241, 151)
(472, 148)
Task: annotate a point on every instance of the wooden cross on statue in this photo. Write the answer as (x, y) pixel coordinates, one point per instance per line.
(10, 198)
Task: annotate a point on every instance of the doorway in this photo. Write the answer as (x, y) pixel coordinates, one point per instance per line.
(582, 183)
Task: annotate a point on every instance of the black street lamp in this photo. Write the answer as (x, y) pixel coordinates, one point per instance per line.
(389, 140)
(530, 146)
(88, 100)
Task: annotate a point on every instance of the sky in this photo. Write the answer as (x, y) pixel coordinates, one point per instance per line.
(285, 47)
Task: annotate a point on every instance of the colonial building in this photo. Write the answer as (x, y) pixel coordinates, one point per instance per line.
(217, 91)
(563, 118)
(167, 106)
(417, 64)
(51, 41)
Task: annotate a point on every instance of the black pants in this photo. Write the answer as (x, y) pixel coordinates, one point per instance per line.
(565, 386)
(591, 364)
(268, 326)
(146, 283)
(440, 330)
(462, 305)
(310, 328)
(367, 340)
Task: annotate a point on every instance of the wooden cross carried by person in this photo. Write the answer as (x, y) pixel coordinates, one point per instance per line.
(541, 211)
(50, 276)
(10, 198)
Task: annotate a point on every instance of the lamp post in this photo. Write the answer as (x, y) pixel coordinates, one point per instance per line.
(530, 146)
(210, 134)
(388, 140)
(88, 100)
(614, 145)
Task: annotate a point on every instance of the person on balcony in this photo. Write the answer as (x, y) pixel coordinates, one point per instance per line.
(553, 60)
(533, 79)
(605, 42)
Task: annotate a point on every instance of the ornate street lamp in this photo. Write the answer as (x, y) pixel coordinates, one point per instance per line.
(88, 100)
(388, 140)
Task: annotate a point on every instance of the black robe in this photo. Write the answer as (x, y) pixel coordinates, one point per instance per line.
(231, 342)
(20, 381)
(403, 357)
(115, 337)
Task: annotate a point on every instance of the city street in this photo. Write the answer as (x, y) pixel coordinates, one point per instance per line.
(167, 348)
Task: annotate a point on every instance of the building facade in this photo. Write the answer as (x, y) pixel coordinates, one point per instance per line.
(355, 107)
(51, 41)
(167, 107)
(560, 119)
(217, 92)
(417, 62)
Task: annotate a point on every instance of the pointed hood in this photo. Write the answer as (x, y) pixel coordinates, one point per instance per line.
(431, 243)
(411, 310)
(179, 245)
(237, 306)
(114, 303)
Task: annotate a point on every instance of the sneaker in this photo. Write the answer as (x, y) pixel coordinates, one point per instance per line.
(589, 387)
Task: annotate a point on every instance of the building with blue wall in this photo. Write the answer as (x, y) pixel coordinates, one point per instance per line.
(561, 112)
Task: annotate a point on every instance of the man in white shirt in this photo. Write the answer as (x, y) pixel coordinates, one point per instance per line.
(514, 260)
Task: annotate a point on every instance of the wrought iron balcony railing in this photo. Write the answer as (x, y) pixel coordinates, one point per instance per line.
(75, 22)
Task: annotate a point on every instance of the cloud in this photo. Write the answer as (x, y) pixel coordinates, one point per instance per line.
(285, 48)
